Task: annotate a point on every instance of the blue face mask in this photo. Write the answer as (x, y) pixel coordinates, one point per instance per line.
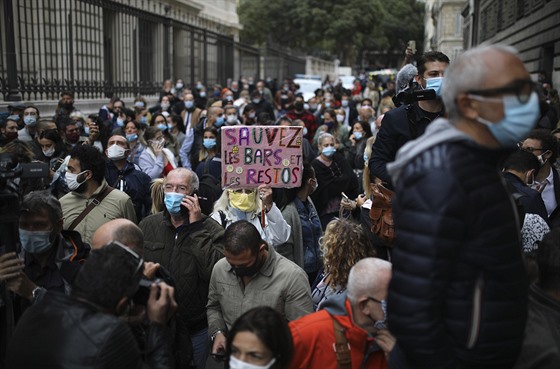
(219, 121)
(120, 122)
(189, 104)
(35, 242)
(365, 158)
(518, 119)
(328, 151)
(29, 120)
(344, 103)
(162, 127)
(209, 143)
(131, 137)
(144, 120)
(382, 324)
(86, 131)
(173, 202)
(435, 84)
(329, 125)
(358, 135)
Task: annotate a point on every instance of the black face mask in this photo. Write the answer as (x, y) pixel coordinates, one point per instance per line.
(250, 270)
(298, 106)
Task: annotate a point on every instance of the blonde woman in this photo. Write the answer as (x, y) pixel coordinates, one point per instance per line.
(343, 245)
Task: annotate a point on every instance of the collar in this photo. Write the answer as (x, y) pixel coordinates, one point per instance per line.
(550, 178)
(30, 260)
(95, 193)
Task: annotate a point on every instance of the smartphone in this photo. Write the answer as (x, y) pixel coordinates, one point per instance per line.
(412, 45)
(344, 196)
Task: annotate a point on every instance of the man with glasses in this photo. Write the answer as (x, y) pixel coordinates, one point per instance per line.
(188, 244)
(359, 314)
(84, 329)
(458, 297)
(542, 144)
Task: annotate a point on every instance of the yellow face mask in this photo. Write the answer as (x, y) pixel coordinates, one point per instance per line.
(246, 202)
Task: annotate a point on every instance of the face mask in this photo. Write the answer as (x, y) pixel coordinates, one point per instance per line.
(542, 160)
(235, 363)
(298, 106)
(246, 202)
(531, 182)
(256, 101)
(248, 271)
(327, 105)
(203, 94)
(29, 120)
(86, 131)
(315, 185)
(344, 103)
(49, 152)
(139, 104)
(251, 115)
(35, 242)
(162, 127)
(178, 86)
(313, 106)
(340, 118)
(381, 324)
(170, 125)
(518, 120)
(189, 104)
(435, 84)
(306, 106)
(164, 106)
(329, 125)
(120, 122)
(72, 137)
(116, 152)
(13, 135)
(199, 86)
(365, 158)
(229, 98)
(305, 131)
(219, 121)
(144, 120)
(231, 119)
(209, 143)
(131, 137)
(329, 151)
(72, 180)
(173, 202)
(358, 135)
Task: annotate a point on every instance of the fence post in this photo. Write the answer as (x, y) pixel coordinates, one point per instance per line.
(11, 59)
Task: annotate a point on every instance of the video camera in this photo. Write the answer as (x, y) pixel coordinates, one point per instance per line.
(413, 93)
(10, 170)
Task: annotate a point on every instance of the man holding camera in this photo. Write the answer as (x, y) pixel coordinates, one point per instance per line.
(84, 330)
(188, 244)
(408, 122)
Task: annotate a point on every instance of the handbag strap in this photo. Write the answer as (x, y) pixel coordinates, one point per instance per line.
(341, 347)
(96, 201)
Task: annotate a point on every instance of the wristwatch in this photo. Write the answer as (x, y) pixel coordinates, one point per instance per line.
(216, 333)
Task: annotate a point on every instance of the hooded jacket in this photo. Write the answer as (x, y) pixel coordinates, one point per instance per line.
(458, 295)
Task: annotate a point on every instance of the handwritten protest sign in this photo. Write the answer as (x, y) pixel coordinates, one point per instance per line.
(254, 155)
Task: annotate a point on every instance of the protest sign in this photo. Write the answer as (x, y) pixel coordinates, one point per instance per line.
(254, 155)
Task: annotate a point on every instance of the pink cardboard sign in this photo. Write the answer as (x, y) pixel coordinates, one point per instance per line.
(254, 155)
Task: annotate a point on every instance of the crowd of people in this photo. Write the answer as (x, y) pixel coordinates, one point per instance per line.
(131, 252)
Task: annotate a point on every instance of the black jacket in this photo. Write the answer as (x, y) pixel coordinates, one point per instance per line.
(135, 183)
(554, 219)
(530, 199)
(396, 130)
(63, 332)
(458, 295)
(189, 253)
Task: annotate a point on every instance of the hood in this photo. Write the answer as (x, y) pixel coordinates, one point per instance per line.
(335, 305)
(439, 131)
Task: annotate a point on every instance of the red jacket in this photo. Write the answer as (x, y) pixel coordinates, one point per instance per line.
(313, 337)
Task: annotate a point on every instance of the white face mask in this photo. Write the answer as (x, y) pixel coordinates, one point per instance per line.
(49, 152)
(72, 180)
(116, 152)
(232, 119)
(340, 118)
(235, 363)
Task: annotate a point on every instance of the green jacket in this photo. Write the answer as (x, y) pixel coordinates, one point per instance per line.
(189, 253)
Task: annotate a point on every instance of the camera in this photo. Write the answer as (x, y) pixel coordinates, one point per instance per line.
(143, 293)
(413, 93)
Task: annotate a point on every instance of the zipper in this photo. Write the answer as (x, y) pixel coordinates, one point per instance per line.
(476, 312)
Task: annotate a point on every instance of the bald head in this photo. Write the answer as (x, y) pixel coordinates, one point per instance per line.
(369, 277)
(121, 230)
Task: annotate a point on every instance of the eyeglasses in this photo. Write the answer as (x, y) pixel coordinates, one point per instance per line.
(131, 252)
(528, 148)
(178, 189)
(521, 88)
(374, 299)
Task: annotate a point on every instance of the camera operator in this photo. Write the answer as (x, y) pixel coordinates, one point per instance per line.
(408, 122)
(85, 327)
(50, 256)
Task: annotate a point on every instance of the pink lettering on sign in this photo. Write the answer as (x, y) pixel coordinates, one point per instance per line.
(257, 155)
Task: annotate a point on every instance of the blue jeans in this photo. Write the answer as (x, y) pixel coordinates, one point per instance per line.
(201, 347)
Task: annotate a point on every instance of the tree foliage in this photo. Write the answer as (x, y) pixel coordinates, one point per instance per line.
(343, 29)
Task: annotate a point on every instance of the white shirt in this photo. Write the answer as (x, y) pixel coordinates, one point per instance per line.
(548, 194)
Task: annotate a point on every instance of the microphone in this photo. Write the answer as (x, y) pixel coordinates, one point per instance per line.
(404, 76)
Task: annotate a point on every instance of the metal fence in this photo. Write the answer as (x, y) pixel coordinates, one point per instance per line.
(100, 48)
